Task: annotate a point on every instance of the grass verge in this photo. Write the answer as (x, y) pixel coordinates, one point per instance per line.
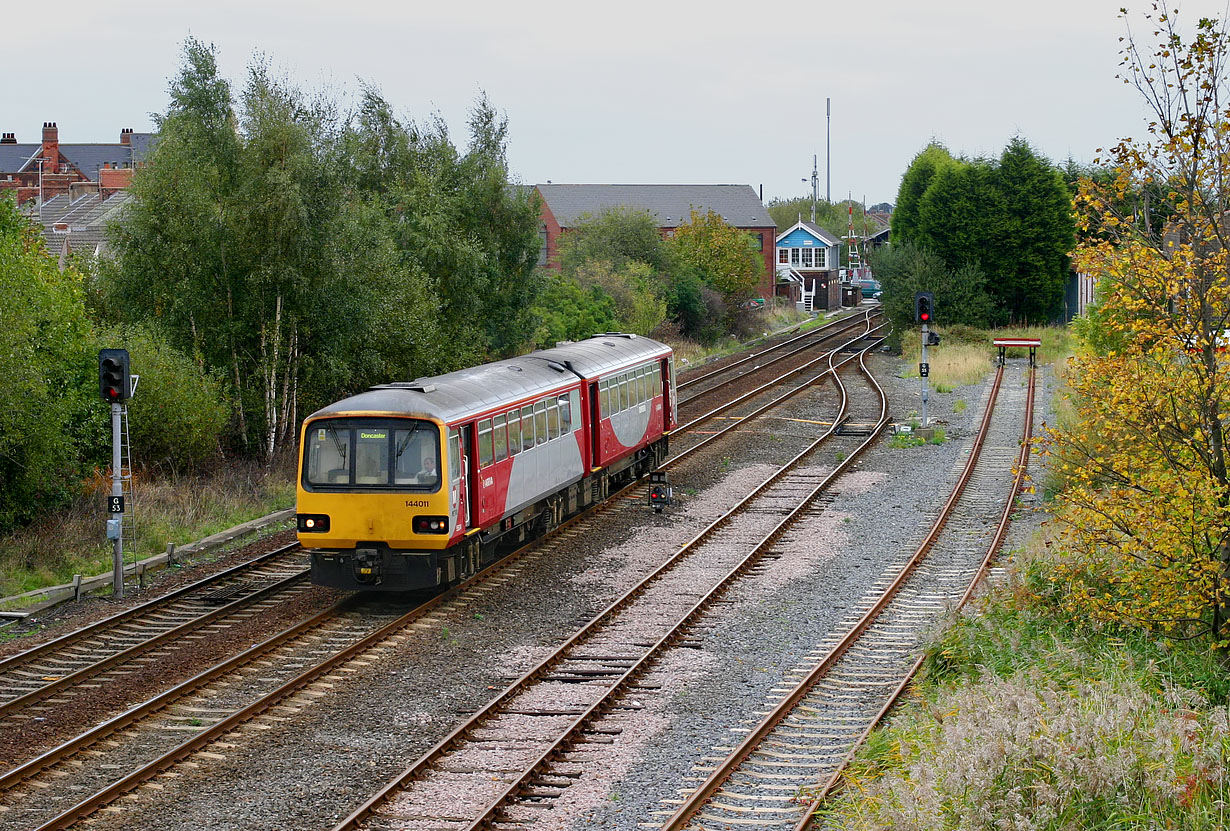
(177, 509)
(1026, 718)
(965, 354)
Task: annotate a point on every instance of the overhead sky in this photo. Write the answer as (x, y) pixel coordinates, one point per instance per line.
(673, 91)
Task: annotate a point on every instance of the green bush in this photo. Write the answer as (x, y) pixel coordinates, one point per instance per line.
(44, 400)
(178, 414)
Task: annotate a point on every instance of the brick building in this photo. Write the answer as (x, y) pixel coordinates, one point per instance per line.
(671, 205)
(47, 169)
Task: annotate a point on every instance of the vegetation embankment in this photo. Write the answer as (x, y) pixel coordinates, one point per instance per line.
(1092, 688)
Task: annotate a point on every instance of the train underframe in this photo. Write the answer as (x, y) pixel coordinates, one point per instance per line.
(376, 566)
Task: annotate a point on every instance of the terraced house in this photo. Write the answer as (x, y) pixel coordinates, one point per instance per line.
(73, 189)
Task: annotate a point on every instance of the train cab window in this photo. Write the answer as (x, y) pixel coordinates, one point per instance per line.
(514, 433)
(414, 457)
(486, 452)
(357, 454)
(540, 418)
(501, 439)
(574, 400)
(527, 426)
(552, 419)
(372, 456)
(565, 414)
(328, 455)
(604, 394)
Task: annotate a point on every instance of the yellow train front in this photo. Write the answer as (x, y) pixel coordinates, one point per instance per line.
(419, 484)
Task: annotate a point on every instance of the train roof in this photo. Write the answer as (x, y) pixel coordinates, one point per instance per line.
(601, 354)
(465, 392)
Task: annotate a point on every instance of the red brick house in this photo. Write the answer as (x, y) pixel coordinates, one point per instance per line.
(671, 205)
(48, 169)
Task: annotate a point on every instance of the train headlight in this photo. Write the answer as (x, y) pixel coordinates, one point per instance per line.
(312, 523)
(431, 525)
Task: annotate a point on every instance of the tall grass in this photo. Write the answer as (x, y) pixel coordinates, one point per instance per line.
(177, 509)
(1029, 719)
(965, 355)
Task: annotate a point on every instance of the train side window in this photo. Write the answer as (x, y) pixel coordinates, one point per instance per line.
(454, 455)
(640, 386)
(604, 396)
(645, 396)
(514, 433)
(565, 415)
(527, 426)
(501, 439)
(574, 398)
(623, 392)
(540, 417)
(657, 380)
(553, 419)
(486, 453)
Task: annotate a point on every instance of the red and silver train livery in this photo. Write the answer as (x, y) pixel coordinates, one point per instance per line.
(413, 485)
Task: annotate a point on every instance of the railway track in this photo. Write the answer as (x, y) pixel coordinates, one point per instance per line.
(777, 776)
(60, 667)
(698, 385)
(518, 753)
(184, 711)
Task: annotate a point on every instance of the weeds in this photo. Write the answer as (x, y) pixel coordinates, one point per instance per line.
(176, 509)
(1031, 718)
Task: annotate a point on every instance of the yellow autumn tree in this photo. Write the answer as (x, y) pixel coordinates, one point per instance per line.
(722, 254)
(1147, 496)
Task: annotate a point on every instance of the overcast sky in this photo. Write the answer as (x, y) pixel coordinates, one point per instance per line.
(632, 91)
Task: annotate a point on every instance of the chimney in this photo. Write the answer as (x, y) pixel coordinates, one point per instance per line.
(8, 138)
(51, 147)
(126, 135)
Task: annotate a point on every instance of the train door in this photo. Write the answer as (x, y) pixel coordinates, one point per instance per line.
(671, 393)
(468, 478)
(458, 498)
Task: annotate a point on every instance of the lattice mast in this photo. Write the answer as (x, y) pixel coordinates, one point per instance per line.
(854, 259)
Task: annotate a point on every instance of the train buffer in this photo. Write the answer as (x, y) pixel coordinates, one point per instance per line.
(1004, 344)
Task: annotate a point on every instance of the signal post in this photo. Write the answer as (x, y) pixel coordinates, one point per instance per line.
(924, 305)
(115, 387)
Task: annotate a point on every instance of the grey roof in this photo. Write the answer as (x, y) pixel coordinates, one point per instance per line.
(468, 392)
(87, 220)
(15, 157)
(672, 205)
(88, 158)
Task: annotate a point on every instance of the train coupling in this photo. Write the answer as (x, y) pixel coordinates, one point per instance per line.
(660, 492)
(367, 566)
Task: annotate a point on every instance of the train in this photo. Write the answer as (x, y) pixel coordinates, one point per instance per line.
(420, 484)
